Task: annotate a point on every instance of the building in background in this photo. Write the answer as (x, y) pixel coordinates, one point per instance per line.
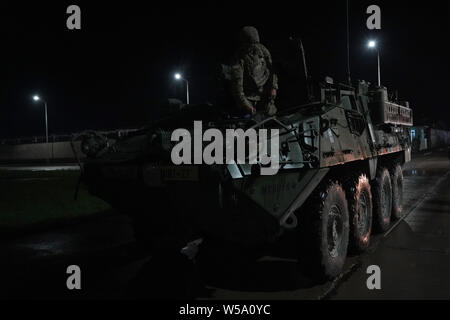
(427, 138)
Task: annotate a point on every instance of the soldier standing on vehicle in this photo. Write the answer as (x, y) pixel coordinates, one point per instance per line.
(253, 83)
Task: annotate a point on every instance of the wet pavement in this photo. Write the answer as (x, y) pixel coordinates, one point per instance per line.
(413, 256)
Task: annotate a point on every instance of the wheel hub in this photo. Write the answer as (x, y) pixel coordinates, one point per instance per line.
(385, 204)
(363, 213)
(335, 228)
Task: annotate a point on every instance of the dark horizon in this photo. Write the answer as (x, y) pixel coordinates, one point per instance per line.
(110, 73)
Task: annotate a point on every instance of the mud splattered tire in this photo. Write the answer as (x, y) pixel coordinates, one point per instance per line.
(382, 200)
(397, 192)
(324, 233)
(359, 197)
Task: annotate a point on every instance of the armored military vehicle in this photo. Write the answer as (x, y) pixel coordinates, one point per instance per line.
(339, 179)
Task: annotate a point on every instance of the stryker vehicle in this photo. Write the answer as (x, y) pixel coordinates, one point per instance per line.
(340, 178)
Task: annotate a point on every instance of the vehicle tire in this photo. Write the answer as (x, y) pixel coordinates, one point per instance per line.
(397, 192)
(360, 209)
(324, 233)
(382, 200)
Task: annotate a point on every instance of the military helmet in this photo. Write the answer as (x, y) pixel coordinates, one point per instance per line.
(249, 35)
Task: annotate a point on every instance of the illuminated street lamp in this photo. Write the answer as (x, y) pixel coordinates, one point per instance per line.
(37, 98)
(178, 76)
(373, 45)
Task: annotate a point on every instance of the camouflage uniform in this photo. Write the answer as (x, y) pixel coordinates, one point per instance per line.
(253, 83)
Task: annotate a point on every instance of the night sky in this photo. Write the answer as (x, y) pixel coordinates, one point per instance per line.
(112, 72)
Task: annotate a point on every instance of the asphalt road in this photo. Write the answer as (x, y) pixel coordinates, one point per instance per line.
(413, 257)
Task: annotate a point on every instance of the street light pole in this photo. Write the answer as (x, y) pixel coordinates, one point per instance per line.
(187, 91)
(373, 45)
(179, 77)
(46, 122)
(379, 68)
(37, 98)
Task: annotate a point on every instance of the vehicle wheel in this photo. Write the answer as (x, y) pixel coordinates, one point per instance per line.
(397, 192)
(382, 200)
(325, 232)
(360, 209)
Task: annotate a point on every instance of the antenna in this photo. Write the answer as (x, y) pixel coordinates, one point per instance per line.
(309, 89)
(304, 59)
(348, 47)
